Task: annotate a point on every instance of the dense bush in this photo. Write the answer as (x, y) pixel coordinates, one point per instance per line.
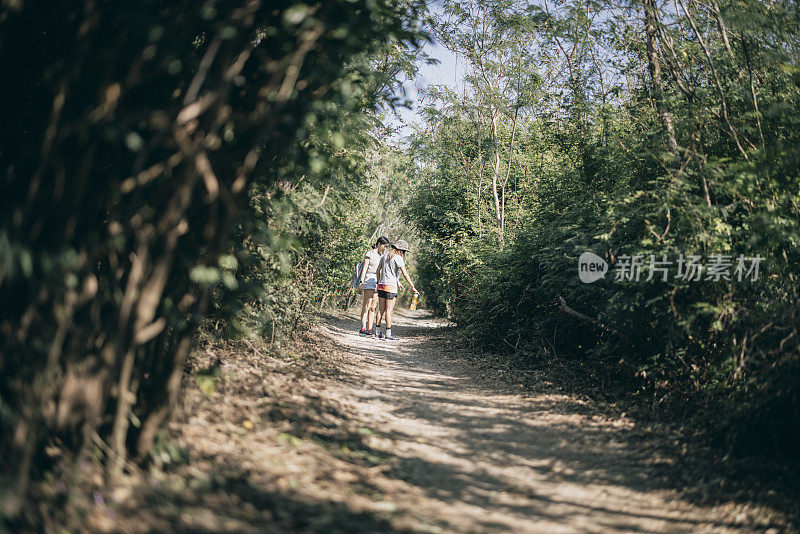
(136, 142)
(694, 151)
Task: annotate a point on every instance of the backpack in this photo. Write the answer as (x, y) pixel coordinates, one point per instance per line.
(357, 274)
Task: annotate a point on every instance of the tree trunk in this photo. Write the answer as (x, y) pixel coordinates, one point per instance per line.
(508, 171)
(654, 66)
(495, 172)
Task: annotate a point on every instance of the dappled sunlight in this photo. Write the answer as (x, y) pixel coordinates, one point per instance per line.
(532, 461)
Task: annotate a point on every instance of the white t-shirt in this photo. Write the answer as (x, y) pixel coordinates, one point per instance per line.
(372, 267)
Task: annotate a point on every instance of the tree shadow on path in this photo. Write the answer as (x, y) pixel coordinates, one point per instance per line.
(538, 456)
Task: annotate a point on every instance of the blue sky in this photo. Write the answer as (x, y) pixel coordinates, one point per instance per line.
(449, 71)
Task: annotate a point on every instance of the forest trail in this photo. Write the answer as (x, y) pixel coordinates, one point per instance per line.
(418, 435)
(480, 457)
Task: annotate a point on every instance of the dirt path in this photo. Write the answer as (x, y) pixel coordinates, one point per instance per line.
(488, 460)
(361, 435)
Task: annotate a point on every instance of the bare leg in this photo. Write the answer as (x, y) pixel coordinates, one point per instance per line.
(381, 311)
(389, 309)
(373, 303)
(365, 307)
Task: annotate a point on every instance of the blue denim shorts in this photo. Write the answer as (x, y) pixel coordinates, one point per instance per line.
(371, 283)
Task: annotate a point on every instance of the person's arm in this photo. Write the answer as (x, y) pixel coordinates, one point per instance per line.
(364, 269)
(408, 279)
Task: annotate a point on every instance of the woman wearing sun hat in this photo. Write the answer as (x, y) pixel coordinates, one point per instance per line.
(392, 263)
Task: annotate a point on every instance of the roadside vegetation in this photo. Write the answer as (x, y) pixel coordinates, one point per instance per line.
(166, 164)
(627, 129)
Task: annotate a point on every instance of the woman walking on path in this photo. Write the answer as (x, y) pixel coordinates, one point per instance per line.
(391, 263)
(369, 283)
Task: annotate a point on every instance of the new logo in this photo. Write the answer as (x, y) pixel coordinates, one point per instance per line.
(591, 267)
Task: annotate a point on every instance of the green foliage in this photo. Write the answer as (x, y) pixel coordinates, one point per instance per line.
(593, 167)
(157, 160)
(301, 242)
